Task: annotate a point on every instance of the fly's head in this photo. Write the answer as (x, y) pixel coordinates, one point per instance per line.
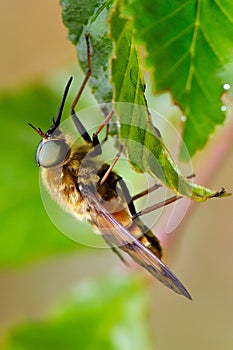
(53, 149)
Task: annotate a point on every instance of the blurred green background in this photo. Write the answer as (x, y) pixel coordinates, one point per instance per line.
(102, 304)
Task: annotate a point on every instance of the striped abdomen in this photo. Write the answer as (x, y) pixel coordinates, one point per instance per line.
(140, 231)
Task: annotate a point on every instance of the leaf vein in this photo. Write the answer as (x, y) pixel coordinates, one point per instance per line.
(211, 46)
(163, 19)
(174, 39)
(203, 88)
(175, 66)
(193, 47)
(224, 11)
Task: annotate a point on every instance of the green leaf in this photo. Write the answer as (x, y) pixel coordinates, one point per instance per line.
(82, 17)
(103, 315)
(188, 43)
(26, 230)
(145, 148)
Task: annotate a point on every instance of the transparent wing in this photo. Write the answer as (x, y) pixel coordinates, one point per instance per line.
(115, 234)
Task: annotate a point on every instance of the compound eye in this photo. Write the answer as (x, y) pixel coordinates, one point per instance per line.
(51, 152)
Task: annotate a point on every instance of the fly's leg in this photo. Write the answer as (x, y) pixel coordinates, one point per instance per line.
(157, 206)
(107, 133)
(121, 182)
(88, 74)
(104, 123)
(109, 170)
(95, 138)
(153, 188)
(80, 127)
(130, 200)
(147, 191)
(115, 250)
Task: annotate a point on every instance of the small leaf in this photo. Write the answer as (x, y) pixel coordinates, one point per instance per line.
(145, 148)
(188, 43)
(98, 315)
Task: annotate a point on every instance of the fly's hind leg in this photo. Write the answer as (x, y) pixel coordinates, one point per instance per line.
(153, 188)
(115, 250)
(157, 206)
(130, 200)
(147, 191)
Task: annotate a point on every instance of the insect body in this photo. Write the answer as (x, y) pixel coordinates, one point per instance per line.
(90, 189)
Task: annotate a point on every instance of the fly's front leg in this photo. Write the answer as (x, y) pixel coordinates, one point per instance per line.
(80, 127)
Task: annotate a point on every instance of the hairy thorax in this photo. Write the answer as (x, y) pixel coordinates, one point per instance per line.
(65, 182)
(62, 182)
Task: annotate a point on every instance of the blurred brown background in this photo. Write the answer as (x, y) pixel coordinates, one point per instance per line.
(34, 46)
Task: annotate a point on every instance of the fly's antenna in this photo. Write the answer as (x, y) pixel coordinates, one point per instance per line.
(57, 120)
(39, 131)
